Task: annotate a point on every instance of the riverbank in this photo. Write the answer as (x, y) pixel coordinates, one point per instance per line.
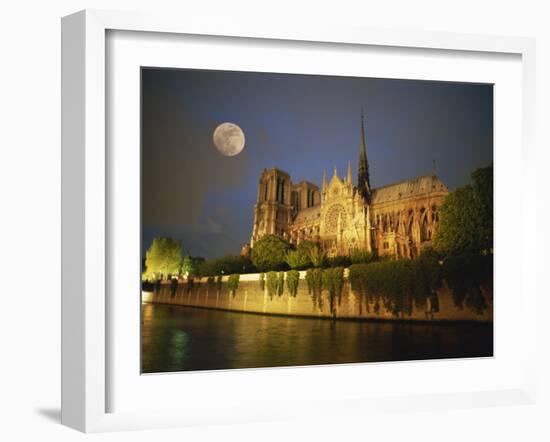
(251, 297)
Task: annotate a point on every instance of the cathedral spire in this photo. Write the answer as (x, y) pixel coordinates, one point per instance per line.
(335, 171)
(349, 179)
(363, 179)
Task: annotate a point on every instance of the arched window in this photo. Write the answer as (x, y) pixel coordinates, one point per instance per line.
(424, 231)
(408, 230)
(435, 214)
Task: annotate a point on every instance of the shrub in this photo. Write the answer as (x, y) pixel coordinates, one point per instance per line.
(390, 282)
(307, 245)
(292, 282)
(402, 283)
(317, 256)
(225, 265)
(361, 257)
(465, 274)
(233, 283)
(434, 302)
(280, 283)
(314, 280)
(269, 253)
(338, 261)
(426, 277)
(475, 301)
(358, 285)
(333, 282)
(272, 282)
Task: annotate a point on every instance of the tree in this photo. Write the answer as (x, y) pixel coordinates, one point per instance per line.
(269, 253)
(466, 217)
(298, 259)
(190, 265)
(163, 258)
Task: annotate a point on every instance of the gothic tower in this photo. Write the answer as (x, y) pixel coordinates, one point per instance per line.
(363, 178)
(273, 208)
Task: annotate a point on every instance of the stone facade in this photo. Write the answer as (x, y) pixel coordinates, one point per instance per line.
(398, 220)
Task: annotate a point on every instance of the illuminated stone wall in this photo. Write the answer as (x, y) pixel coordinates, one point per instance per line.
(249, 297)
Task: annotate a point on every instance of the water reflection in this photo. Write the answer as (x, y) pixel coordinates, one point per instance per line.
(176, 338)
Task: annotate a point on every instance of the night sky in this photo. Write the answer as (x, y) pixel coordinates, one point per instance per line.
(301, 124)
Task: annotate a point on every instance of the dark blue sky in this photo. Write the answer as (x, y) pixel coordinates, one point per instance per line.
(302, 124)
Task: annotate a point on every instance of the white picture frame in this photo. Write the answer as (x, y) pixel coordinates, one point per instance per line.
(85, 211)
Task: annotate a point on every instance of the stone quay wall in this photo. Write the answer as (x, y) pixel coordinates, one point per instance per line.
(249, 297)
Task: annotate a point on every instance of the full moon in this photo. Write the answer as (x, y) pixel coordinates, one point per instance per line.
(229, 139)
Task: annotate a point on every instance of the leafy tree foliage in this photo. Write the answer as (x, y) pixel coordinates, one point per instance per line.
(398, 285)
(390, 283)
(317, 256)
(191, 265)
(306, 245)
(269, 253)
(233, 283)
(163, 258)
(298, 259)
(466, 217)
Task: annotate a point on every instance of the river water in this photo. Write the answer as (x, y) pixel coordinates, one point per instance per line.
(176, 338)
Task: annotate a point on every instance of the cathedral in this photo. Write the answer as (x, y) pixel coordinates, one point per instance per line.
(396, 220)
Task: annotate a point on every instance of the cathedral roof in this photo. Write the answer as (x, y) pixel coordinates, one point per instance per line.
(307, 215)
(305, 182)
(408, 188)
